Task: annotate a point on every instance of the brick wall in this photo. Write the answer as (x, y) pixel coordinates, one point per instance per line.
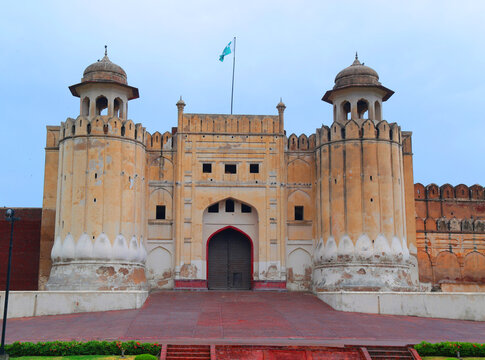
(450, 235)
(25, 251)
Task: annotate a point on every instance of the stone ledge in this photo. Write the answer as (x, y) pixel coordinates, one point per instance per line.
(37, 303)
(447, 305)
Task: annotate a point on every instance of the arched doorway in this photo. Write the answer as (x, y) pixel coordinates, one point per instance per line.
(229, 260)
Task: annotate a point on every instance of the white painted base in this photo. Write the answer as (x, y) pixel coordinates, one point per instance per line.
(362, 276)
(449, 305)
(97, 275)
(37, 303)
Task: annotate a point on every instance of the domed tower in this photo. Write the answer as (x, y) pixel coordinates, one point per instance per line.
(363, 243)
(99, 229)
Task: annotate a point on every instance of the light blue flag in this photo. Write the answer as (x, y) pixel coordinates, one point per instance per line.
(226, 51)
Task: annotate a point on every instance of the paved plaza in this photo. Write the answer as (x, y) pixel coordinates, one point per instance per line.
(243, 317)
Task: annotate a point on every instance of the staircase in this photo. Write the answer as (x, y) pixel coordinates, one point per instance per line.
(188, 352)
(389, 352)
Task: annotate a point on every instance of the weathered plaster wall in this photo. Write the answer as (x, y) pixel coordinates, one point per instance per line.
(239, 140)
(49, 203)
(100, 222)
(360, 190)
(300, 157)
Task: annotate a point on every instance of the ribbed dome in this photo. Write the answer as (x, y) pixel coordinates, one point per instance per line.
(105, 70)
(356, 74)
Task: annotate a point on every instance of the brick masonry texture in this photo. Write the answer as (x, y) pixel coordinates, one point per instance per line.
(450, 236)
(25, 250)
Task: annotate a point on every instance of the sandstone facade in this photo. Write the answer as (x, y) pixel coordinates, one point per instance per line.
(128, 209)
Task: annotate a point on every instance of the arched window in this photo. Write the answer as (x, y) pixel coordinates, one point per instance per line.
(85, 107)
(345, 110)
(377, 111)
(118, 108)
(363, 109)
(101, 105)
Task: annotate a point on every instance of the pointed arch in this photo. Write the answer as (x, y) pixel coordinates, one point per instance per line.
(85, 105)
(474, 267)
(299, 172)
(239, 231)
(293, 142)
(447, 267)
(101, 105)
(363, 109)
(159, 267)
(299, 197)
(160, 197)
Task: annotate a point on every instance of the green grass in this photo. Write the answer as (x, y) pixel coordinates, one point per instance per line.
(449, 358)
(76, 357)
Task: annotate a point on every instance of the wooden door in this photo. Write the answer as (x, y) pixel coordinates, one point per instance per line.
(229, 261)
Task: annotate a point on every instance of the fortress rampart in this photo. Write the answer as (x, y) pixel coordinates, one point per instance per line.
(450, 232)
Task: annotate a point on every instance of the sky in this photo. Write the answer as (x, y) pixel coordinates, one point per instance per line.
(431, 53)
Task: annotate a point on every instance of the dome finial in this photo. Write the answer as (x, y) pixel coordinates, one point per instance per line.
(106, 50)
(356, 61)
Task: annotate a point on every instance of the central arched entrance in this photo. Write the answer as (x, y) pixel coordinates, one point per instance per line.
(229, 260)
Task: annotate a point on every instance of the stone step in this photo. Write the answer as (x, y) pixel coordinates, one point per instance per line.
(188, 352)
(389, 352)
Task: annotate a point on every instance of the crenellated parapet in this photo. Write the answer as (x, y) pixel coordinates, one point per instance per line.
(450, 229)
(158, 141)
(102, 126)
(231, 124)
(301, 143)
(448, 192)
(450, 209)
(352, 130)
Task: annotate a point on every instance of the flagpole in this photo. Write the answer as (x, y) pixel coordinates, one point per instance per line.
(233, 67)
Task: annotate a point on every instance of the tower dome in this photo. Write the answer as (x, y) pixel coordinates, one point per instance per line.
(356, 74)
(104, 73)
(359, 76)
(105, 70)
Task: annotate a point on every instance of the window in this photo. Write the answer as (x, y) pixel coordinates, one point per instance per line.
(229, 205)
(214, 208)
(118, 108)
(245, 208)
(362, 109)
(298, 212)
(160, 212)
(345, 106)
(206, 168)
(254, 168)
(230, 168)
(85, 106)
(101, 106)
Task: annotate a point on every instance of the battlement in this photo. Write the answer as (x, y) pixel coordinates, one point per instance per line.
(102, 125)
(301, 143)
(448, 192)
(157, 141)
(352, 130)
(231, 124)
(449, 209)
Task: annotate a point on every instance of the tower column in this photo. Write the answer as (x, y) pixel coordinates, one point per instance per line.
(95, 248)
(365, 249)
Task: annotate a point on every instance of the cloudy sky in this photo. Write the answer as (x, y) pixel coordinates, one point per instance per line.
(431, 53)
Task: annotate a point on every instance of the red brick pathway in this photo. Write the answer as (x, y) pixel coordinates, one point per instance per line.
(244, 317)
